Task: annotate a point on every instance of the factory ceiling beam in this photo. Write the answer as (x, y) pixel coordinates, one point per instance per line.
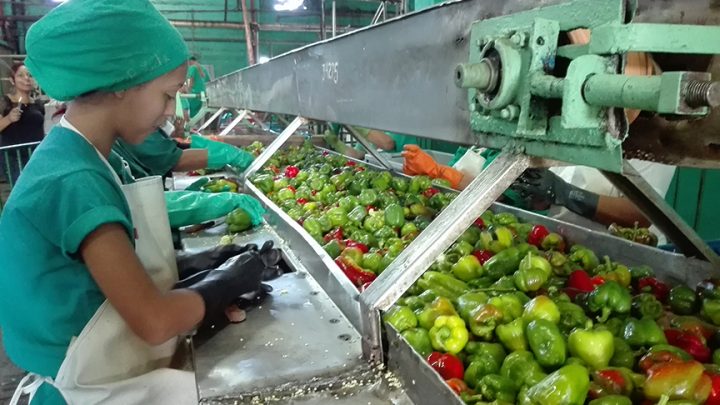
(262, 27)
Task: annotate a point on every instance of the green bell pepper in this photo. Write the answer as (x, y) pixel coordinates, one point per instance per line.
(325, 223)
(710, 310)
(381, 181)
(643, 333)
(264, 182)
(623, 355)
(394, 216)
(609, 298)
(238, 220)
(333, 248)
(372, 261)
(594, 347)
(462, 248)
(612, 271)
(438, 307)
(340, 181)
(683, 300)
(449, 334)
(505, 218)
(645, 305)
(495, 387)
(374, 222)
(399, 184)
(467, 268)
(418, 339)
(484, 359)
(471, 235)
(571, 316)
(546, 342)
(337, 216)
(348, 203)
(510, 306)
(384, 234)
(611, 400)
(512, 335)
(483, 320)
(615, 325)
(522, 369)
(414, 302)
(639, 272)
(541, 307)
(450, 287)
(467, 302)
(313, 227)
(368, 197)
(568, 386)
(400, 317)
(419, 183)
(583, 257)
(503, 263)
(357, 215)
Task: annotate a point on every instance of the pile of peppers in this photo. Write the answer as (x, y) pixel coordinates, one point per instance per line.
(362, 218)
(510, 313)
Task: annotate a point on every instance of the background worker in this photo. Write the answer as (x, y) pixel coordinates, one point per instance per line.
(23, 119)
(197, 76)
(101, 250)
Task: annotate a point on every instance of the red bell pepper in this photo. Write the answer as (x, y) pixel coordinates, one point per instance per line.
(612, 381)
(457, 385)
(291, 171)
(361, 246)
(359, 169)
(689, 342)
(580, 282)
(693, 325)
(353, 272)
(447, 365)
(714, 398)
(301, 201)
(292, 188)
(336, 234)
(430, 192)
(482, 255)
(655, 287)
(537, 234)
(350, 163)
(479, 223)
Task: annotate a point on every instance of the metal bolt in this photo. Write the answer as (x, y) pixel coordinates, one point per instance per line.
(702, 93)
(518, 39)
(510, 112)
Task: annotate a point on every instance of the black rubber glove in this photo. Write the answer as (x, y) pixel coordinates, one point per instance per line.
(220, 287)
(189, 264)
(541, 188)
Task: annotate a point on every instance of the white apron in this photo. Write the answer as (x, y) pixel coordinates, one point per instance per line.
(107, 363)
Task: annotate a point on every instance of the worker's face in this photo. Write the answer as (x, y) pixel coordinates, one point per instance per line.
(22, 80)
(145, 108)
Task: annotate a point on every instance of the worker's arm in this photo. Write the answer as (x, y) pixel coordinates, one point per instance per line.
(192, 159)
(619, 210)
(381, 140)
(540, 188)
(154, 316)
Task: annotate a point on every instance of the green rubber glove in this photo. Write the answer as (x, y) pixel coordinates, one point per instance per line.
(333, 142)
(198, 184)
(195, 207)
(221, 154)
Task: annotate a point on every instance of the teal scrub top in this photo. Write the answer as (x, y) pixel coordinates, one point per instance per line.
(47, 294)
(194, 72)
(156, 156)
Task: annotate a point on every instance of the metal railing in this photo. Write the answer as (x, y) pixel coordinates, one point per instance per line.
(13, 159)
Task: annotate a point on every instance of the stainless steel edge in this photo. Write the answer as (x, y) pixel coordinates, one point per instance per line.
(371, 150)
(634, 186)
(444, 230)
(423, 385)
(313, 257)
(274, 146)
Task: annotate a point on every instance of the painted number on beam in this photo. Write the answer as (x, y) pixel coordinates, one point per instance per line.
(330, 72)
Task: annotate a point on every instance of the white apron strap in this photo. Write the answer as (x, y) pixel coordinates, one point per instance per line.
(28, 386)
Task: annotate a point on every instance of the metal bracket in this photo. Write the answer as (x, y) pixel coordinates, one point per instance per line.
(634, 186)
(444, 230)
(212, 119)
(274, 146)
(368, 146)
(241, 116)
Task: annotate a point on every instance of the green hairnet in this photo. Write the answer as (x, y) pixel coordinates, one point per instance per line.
(87, 45)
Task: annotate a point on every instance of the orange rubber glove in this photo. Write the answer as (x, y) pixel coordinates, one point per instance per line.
(418, 162)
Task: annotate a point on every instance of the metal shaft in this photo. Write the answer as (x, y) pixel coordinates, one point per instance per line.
(639, 92)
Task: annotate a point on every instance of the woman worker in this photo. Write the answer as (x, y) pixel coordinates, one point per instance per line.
(23, 119)
(86, 304)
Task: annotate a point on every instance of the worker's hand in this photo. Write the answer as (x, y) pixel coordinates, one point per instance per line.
(417, 162)
(221, 154)
(14, 114)
(239, 275)
(333, 142)
(540, 188)
(189, 264)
